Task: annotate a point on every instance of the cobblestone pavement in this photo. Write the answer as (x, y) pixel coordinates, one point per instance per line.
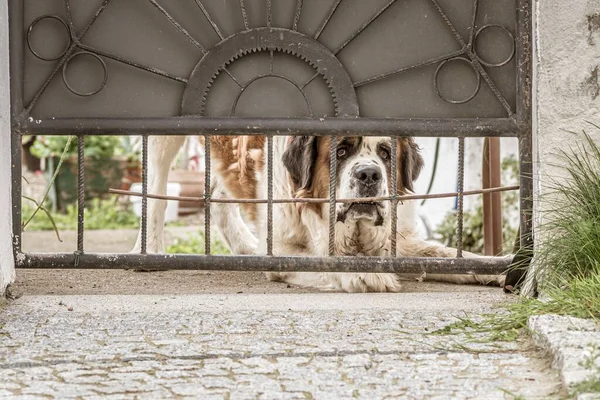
(574, 346)
(275, 346)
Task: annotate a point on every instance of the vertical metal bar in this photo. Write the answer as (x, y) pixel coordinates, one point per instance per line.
(270, 195)
(80, 191)
(297, 14)
(17, 47)
(207, 194)
(332, 196)
(269, 14)
(461, 187)
(523, 114)
(16, 178)
(523, 61)
(144, 224)
(394, 202)
(244, 15)
(487, 204)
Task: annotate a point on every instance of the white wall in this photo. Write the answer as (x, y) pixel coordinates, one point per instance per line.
(566, 90)
(7, 267)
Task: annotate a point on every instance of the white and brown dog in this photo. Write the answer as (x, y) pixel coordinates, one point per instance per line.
(301, 170)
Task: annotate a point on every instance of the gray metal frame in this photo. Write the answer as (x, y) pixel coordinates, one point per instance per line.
(516, 124)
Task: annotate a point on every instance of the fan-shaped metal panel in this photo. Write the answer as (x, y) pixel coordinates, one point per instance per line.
(270, 58)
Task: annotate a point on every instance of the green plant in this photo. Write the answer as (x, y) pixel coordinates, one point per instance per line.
(97, 147)
(194, 244)
(473, 219)
(570, 244)
(98, 214)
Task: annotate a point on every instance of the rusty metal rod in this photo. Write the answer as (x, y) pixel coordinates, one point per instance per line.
(319, 200)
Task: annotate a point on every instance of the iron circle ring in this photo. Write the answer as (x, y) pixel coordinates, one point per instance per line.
(30, 30)
(85, 53)
(437, 89)
(512, 42)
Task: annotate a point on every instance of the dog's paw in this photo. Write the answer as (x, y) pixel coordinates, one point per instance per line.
(363, 283)
(275, 276)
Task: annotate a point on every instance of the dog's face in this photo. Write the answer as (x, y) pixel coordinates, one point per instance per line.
(363, 171)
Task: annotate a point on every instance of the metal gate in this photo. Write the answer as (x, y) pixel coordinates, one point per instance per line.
(430, 68)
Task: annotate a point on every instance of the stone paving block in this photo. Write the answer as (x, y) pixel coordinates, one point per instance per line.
(270, 353)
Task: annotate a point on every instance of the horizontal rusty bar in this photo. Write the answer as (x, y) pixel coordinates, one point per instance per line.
(478, 265)
(419, 127)
(318, 200)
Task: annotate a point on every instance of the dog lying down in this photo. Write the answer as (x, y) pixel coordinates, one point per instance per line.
(301, 170)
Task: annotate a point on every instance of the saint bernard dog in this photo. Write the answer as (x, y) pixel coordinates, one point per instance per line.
(301, 170)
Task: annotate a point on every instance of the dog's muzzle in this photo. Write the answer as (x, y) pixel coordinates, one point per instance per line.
(367, 181)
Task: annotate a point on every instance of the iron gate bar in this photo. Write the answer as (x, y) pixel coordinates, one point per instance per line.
(332, 195)
(410, 265)
(297, 14)
(320, 200)
(394, 197)
(177, 126)
(144, 221)
(81, 192)
(461, 187)
(244, 15)
(207, 197)
(269, 195)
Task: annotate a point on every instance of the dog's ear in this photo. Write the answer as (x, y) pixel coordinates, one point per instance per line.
(299, 159)
(410, 163)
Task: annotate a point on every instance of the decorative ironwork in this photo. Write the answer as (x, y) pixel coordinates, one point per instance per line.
(315, 50)
(269, 40)
(279, 39)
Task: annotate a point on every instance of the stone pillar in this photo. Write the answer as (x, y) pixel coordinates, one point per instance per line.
(7, 264)
(566, 87)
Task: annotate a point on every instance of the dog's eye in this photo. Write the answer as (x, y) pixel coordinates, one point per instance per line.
(384, 154)
(341, 152)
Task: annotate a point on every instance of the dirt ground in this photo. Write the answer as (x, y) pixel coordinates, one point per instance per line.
(117, 282)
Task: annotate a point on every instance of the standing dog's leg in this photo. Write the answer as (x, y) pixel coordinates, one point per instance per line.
(161, 153)
(228, 219)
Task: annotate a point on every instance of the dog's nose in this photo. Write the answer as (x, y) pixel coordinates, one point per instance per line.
(368, 174)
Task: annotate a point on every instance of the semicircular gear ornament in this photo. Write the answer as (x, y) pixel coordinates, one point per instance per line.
(311, 52)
